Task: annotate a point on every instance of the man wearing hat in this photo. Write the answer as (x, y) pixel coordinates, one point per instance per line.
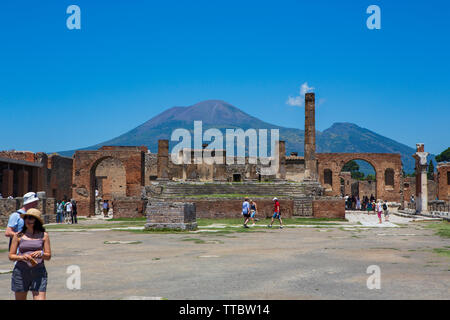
(15, 222)
(276, 213)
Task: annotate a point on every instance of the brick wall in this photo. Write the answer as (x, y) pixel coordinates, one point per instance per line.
(172, 215)
(233, 208)
(128, 208)
(329, 208)
(46, 205)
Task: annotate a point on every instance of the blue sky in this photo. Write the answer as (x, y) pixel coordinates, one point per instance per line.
(62, 89)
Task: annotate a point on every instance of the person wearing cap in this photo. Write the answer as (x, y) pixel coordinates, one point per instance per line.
(29, 249)
(15, 222)
(276, 213)
(246, 211)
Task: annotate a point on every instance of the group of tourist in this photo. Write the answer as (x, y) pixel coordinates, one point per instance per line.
(249, 210)
(29, 246)
(369, 204)
(354, 203)
(66, 211)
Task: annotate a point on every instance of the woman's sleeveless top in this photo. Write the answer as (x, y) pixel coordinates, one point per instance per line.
(28, 246)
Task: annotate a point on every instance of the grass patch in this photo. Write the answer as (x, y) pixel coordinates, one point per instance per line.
(122, 242)
(200, 241)
(385, 249)
(138, 219)
(264, 221)
(445, 252)
(3, 250)
(441, 228)
(124, 224)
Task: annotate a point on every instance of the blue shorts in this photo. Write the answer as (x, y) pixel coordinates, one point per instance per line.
(252, 215)
(276, 215)
(26, 278)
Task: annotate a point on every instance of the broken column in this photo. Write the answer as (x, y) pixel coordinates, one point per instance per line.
(281, 145)
(163, 159)
(170, 215)
(421, 178)
(310, 138)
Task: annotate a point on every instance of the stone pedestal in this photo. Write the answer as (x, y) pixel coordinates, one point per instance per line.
(170, 215)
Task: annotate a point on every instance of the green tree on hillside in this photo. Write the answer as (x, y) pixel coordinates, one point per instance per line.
(444, 156)
(353, 168)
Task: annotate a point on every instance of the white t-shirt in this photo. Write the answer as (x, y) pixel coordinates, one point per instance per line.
(69, 207)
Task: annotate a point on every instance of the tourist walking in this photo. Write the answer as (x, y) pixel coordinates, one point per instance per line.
(30, 248)
(358, 203)
(105, 208)
(379, 209)
(253, 209)
(15, 222)
(68, 212)
(74, 211)
(386, 211)
(246, 211)
(276, 213)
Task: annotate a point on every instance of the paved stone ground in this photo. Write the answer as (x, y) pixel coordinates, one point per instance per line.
(293, 263)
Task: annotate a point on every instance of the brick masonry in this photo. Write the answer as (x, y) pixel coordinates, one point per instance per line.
(85, 165)
(233, 208)
(171, 215)
(329, 208)
(46, 205)
(379, 161)
(443, 181)
(128, 207)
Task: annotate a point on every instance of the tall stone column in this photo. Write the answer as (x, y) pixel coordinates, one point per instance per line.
(310, 138)
(421, 178)
(163, 160)
(8, 183)
(281, 145)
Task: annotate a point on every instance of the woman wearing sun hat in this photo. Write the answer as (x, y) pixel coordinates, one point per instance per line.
(29, 249)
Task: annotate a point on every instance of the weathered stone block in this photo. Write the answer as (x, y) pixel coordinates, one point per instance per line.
(171, 215)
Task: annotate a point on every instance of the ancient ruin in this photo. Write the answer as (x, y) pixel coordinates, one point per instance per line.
(137, 181)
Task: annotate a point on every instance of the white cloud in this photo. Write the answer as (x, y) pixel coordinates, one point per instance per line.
(298, 100)
(295, 101)
(305, 89)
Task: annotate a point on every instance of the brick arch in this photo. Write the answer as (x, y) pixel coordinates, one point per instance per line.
(379, 161)
(85, 164)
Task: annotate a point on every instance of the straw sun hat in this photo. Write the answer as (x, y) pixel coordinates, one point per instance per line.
(33, 213)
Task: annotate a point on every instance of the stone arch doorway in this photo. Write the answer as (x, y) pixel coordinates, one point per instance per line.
(359, 179)
(127, 182)
(108, 180)
(387, 167)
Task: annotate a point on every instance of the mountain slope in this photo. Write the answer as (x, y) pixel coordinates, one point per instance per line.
(340, 137)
